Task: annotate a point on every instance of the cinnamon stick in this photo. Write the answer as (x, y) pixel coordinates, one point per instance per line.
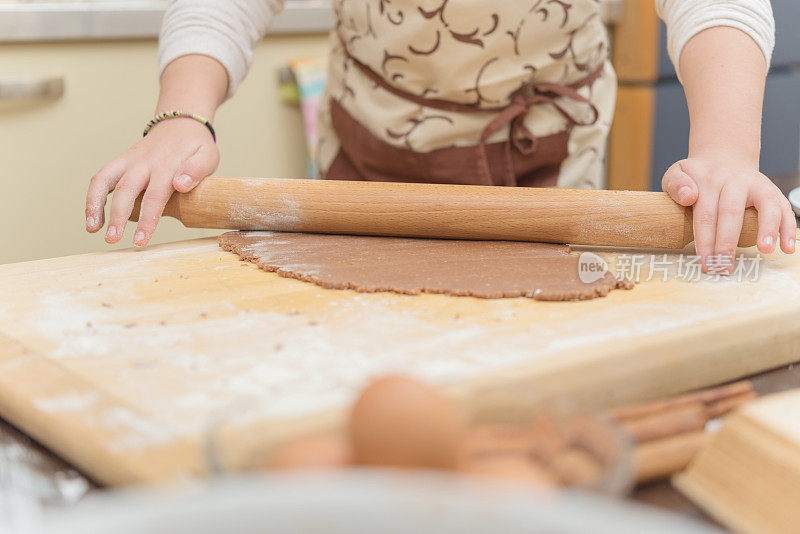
(724, 406)
(659, 459)
(707, 397)
(689, 418)
(715, 394)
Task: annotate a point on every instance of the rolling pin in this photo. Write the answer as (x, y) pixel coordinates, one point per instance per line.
(579, 217)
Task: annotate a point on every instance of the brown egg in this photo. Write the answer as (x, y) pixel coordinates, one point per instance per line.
(514, 467)
(589, 434)
(550, 440)
(400, 422)
(312, 452)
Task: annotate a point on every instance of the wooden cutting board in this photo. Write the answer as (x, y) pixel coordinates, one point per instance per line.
(179, 360)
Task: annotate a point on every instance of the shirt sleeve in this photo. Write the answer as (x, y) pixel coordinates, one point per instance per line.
(226, 30)
(686, 18)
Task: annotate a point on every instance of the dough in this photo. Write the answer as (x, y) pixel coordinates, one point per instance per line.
(486, 269)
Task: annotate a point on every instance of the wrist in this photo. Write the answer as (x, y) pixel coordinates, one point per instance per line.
(728, 154)
(182, 126)
(205, 111)
(195, 83)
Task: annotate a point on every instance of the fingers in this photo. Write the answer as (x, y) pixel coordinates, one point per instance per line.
(730, 214)
(178, 152)
(704, 216)
(788, 227)
(679, 185)
(769, 220)
(101, 184)
(130, 185)
(199, 165)
(155, 198)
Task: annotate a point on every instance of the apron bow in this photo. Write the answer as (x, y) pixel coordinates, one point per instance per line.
(519, 135)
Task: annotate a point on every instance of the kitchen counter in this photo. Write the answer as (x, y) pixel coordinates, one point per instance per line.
(37, 21)
(129, 19)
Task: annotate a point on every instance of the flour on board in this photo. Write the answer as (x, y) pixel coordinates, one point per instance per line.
(182, 377)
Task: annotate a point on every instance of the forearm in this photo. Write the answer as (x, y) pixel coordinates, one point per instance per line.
(194, 83)
(723, 73)
(226, 30)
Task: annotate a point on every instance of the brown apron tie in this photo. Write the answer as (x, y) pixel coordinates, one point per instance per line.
(512, 114)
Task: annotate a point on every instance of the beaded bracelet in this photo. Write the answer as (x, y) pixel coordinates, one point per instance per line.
(174, 114)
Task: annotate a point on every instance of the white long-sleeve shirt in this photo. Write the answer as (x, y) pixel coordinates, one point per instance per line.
(228, 30)
(686, 18)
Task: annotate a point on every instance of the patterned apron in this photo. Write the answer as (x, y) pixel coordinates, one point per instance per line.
(490, 92)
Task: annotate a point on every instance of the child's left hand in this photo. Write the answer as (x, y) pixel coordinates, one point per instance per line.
(720, 189)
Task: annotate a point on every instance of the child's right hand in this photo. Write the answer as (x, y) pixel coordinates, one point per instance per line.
(175, 156)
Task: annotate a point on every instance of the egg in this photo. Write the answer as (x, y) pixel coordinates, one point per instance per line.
(550, 439)
(512, 467)
(312, 452)
(575, 467)
(400, 422)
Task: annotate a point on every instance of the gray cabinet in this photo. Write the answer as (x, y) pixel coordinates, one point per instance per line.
(780, 153)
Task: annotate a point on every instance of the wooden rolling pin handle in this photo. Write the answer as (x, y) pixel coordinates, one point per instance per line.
(578, 217)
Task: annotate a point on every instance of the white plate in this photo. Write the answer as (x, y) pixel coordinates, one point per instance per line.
(357, 501)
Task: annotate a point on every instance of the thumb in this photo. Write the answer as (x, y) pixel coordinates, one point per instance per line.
(199, 165)
(679, 185)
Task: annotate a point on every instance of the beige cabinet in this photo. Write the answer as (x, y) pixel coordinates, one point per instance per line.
(50, 148)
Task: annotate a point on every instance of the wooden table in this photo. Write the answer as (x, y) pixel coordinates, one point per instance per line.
(658, 494)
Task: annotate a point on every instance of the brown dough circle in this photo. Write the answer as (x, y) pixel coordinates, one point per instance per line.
(486, 269)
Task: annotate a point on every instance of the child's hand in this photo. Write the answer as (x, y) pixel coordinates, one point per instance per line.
(176, 155)
(720, 189)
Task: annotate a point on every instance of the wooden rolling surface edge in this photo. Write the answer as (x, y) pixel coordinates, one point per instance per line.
(152, 465)
(699, 356)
